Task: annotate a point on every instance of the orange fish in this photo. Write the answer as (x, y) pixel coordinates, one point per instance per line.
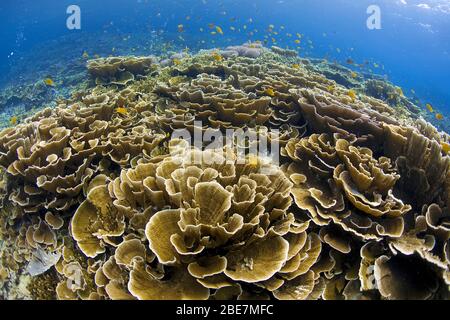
(13, 120)
(49, 82)
(270, 92)
(445, 147)
(219, 30)
(439, 116)
(253, 160)
(217, 57)
(122, 110)
(351, 94)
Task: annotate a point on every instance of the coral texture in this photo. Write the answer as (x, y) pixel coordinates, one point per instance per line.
(100, 200)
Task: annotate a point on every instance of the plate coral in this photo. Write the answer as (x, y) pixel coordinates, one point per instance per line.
(100, 201)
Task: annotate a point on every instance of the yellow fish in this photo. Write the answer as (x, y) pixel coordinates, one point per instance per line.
(219, 30)
(253, 160)
(296, 66)
(354, 74)
(176, 62)
(430, 108)
(330, 88)
(270, 92)
(439, 116)
(176, 80)
(297, 41)
(351, 94)
(217, 57)
(13, 120)
(122, 110)
(445, 147)
(400, 91)
(85, 55)
(49, 82)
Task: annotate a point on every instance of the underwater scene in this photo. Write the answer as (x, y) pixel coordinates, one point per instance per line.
(225, 150)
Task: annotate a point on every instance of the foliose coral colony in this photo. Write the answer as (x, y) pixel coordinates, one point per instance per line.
(98, 202)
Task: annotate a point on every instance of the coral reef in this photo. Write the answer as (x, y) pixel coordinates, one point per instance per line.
(119, 70)
(99, 200)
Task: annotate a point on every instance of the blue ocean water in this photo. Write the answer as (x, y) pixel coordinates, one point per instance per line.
(412, 48)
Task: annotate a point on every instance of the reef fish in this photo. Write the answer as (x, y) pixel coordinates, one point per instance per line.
(217, 57)
(13, 120)
(439, 116)
(270, 92)
(176, 80)
(445, 147)
(253, 160)
(219, 30)
(122, 110)
(351, 94)
(430, 107)
(49, 82)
